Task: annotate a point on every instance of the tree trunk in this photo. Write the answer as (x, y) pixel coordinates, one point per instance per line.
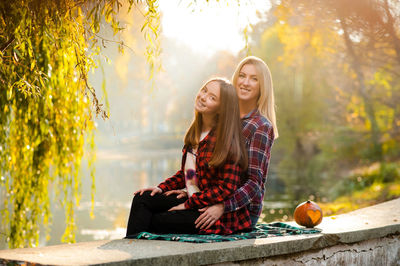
(390, 29)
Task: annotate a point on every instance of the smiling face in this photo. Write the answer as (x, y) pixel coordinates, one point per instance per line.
(248, 85)
(208, 99)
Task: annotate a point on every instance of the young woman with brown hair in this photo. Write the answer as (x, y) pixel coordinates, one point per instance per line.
(214, 159)
(253, 82)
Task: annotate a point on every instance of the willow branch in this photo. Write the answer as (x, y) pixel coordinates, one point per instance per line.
(5, 46)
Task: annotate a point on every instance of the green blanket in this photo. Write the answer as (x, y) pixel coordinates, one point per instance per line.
(260, 231)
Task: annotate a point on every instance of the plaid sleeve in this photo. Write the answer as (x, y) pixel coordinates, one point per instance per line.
(259, 154)
(176, 181)
(228, 178)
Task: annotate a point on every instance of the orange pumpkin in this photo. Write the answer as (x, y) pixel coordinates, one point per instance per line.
(308, 214)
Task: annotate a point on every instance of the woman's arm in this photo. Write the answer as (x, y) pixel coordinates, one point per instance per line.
(259, 154)
(176, 181)
(228, 179)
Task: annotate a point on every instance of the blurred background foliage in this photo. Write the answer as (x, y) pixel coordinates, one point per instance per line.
(335, 67)
(336, 72)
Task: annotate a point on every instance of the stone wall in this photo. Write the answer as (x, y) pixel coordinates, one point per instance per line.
(369, 236)
(382, 251)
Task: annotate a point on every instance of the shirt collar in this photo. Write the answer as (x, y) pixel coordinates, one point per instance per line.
(206, 139)
(252, 113)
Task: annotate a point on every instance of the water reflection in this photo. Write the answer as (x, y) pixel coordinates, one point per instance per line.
(118, 175)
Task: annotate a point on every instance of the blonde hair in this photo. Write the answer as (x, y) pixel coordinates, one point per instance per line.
(229, 140)
(266, 100)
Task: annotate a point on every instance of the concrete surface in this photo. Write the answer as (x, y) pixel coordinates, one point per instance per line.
(375, 222)
(375, 252)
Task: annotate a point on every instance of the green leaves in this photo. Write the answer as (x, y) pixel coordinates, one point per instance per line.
(47, 49)
(44, 117)
(151, 29)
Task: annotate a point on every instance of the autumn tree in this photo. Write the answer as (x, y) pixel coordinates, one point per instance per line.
(300, 90)
(367, 56)
(335, 68)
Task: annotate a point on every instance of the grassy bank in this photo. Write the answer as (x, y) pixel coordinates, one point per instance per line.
(364, 187)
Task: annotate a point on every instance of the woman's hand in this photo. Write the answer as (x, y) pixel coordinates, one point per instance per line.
(154, 190)
(210, 215)
(178, 207)
(180, 193)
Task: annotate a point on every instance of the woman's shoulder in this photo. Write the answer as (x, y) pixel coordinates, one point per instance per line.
(258, 122)
(257, 127)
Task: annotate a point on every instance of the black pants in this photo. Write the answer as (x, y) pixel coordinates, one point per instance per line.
(150, 214)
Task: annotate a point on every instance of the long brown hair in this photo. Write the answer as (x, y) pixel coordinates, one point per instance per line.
(228, 126)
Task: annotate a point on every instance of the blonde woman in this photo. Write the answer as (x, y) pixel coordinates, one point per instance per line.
(253, 82)
(213, 162)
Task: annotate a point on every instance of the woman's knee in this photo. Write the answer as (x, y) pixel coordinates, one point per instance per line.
(144, 197)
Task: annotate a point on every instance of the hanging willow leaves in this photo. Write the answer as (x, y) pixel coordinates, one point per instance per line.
(47, 49)
(151, 28)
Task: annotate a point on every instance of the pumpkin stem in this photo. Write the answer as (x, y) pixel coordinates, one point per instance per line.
(308, 201)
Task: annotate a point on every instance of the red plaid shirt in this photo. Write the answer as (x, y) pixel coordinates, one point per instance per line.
(216, 185)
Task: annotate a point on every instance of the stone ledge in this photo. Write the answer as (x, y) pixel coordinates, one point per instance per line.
(380, 251)
(373, 222)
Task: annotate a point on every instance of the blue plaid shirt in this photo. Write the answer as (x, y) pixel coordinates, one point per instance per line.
(259, 136)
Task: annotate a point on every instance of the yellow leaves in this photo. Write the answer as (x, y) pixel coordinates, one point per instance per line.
(30, 49)
(33, 64)
(382, 82)
(300, 42)
(10, 92)
(79, 11)
(67, 13)
(151, 30)
(303, 35)
(108, 14)
(283, 11)
(394, 190)
(246, 40)
(37, 139)
(295, 43)
(317, 43)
